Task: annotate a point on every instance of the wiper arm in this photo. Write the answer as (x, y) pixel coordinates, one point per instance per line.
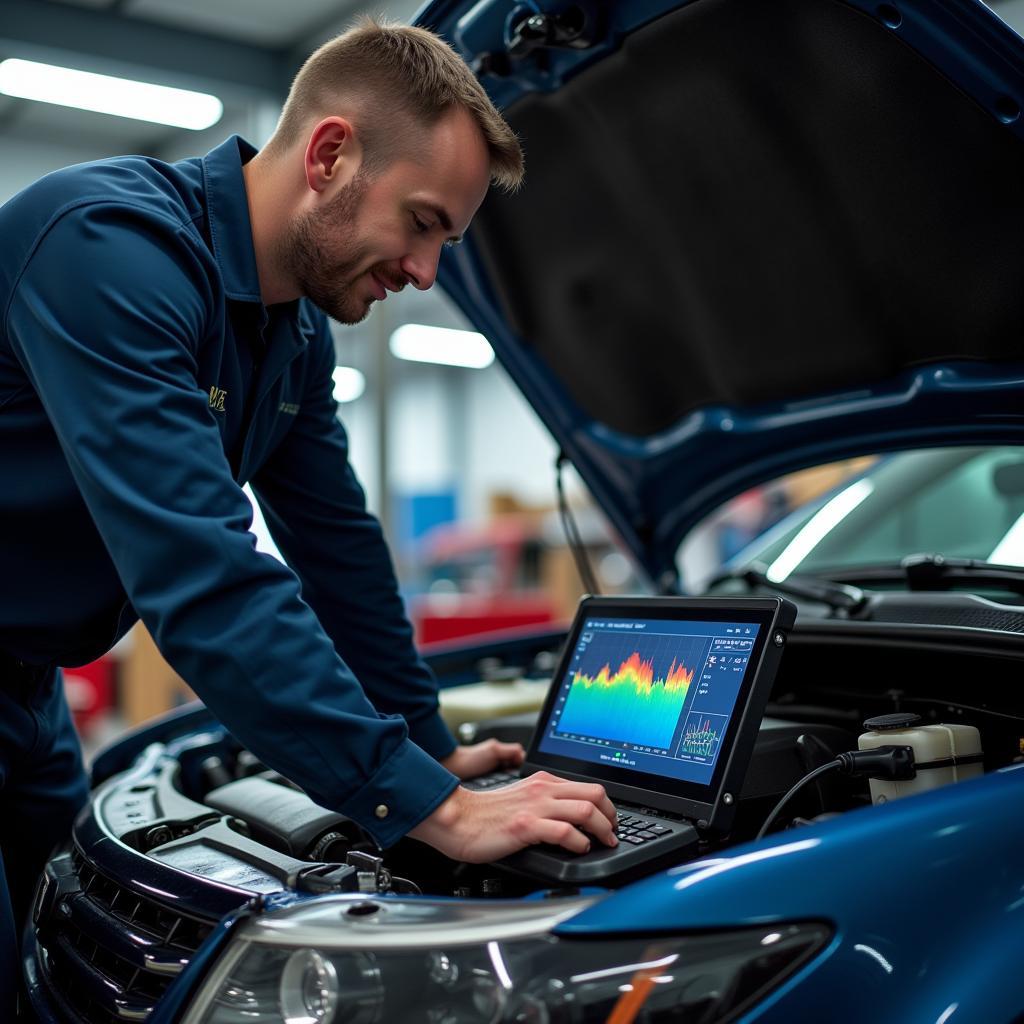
(923, 572)
(838, 596)
(937, 572)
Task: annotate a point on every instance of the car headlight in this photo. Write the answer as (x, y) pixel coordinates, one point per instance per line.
(352, 961)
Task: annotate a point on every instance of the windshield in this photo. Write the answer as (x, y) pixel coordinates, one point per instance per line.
(959, 502)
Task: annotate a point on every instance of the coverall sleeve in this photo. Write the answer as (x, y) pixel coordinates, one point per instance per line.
(109, 338)
(316, 511)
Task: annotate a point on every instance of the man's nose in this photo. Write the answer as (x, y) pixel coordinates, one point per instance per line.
(421, 267)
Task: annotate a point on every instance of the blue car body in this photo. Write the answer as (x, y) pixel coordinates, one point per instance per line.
(923, 898)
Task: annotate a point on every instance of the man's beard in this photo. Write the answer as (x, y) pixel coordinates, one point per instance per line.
(321, 253)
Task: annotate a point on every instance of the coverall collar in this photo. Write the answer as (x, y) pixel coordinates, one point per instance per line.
(227, 211)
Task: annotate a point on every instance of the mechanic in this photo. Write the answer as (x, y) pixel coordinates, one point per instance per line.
(157, 350)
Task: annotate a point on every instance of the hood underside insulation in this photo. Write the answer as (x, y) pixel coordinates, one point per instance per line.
(750, 202)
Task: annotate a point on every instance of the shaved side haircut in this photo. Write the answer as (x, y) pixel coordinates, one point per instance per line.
(394, 82)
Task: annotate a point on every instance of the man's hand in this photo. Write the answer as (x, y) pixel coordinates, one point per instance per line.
(481, 758)
(481, 827)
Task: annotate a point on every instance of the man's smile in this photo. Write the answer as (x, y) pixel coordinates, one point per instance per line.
(382, 286)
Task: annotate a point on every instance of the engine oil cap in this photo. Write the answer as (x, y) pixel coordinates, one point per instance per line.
(900, 720)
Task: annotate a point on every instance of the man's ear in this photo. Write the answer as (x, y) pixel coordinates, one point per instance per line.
(333, 154)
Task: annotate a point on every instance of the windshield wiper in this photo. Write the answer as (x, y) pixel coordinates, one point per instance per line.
(922, 572)
(840, 597)
(938, 572)
(928, 572)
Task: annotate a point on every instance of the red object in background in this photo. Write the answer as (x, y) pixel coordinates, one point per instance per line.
(90, 691)
(472, 618)
(481, 579)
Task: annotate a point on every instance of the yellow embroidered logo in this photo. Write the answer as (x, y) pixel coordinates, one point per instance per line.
(217, 396)
(288, 407)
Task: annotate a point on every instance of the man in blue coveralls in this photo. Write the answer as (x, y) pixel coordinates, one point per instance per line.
(162, 341)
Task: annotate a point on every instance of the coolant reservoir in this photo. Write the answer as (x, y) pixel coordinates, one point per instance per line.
(478, 702)
(942, 753)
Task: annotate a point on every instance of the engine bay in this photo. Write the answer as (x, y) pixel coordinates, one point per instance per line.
(203, 805)
(186, 827)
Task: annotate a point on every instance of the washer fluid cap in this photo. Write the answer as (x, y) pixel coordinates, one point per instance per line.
(901, 720)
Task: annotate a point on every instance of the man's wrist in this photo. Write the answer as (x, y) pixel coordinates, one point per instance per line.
(443, 819)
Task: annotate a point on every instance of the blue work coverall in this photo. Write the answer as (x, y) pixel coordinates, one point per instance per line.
(142, 382)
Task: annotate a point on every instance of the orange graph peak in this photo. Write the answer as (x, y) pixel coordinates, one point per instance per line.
(678, 676)
(639, 674)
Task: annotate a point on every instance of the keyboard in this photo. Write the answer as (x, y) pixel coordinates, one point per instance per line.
(647, 844)
(492, 781)
(639, 829)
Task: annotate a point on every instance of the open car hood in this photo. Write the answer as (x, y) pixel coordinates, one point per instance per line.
(753, 237)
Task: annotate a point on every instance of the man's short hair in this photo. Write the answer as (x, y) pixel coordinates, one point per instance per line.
(399, 79)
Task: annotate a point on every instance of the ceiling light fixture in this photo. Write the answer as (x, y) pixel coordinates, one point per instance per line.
(349, 383)
(442, 345)
(104, 94)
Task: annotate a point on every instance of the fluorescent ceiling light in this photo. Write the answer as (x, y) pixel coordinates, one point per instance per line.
(817, 528)
(442, 345)
(349, 383)
(106, 95)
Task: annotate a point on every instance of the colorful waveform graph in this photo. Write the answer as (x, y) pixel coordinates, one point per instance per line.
(702, 734)
(628, 705)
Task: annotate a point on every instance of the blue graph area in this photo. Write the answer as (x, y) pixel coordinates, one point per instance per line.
(629, 689)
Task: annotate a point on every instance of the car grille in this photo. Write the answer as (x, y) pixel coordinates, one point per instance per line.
(106, 952)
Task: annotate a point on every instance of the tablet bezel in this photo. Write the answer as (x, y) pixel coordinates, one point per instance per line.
(711, 804)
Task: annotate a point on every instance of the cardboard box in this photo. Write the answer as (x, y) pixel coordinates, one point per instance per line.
(149, 686)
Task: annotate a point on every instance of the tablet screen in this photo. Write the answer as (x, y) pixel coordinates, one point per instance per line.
(655, 696)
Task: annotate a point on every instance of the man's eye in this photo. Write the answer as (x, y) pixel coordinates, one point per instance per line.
(421, 225)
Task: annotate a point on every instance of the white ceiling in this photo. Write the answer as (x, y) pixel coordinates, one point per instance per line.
(264, 22)
(284, 31)
(261, 22)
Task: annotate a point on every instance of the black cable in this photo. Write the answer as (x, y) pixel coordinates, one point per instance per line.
(572, 533)
(888, 762)
(812, 751)
(770, 820)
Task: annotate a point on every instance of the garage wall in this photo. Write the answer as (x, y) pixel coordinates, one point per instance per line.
(23, 162)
